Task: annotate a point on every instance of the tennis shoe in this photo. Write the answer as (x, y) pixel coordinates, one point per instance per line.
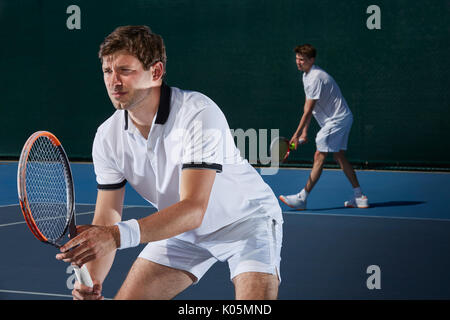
(357, 202)
(294, 201)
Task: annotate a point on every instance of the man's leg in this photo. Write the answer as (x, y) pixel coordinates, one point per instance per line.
(359, 200)
(256, 286)
(346, 167)
(319, 160)
(149, 280)
(298, 201)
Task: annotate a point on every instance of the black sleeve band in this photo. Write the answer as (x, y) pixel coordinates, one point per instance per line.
(203, 165)
(111, 186)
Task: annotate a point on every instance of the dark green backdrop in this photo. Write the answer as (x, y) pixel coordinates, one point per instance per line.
(239, 53)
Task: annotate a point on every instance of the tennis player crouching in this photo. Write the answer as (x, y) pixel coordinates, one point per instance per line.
(175, 148)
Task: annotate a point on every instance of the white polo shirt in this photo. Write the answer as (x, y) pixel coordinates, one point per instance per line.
(188, 131)
(330, 104)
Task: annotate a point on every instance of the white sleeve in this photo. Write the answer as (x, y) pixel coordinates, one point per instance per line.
(313, 89)
(107, 174)
(203, 140)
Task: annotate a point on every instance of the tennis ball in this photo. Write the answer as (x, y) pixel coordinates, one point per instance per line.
(292, 145)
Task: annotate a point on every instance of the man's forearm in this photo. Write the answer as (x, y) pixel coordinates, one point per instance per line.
(305, 121)
(100, 267)
(185, 215)
(108, 211)
(178, 218)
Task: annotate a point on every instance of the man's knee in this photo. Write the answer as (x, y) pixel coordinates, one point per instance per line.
(256, 286)
(149, 280)
(319, 157)
(339, 156)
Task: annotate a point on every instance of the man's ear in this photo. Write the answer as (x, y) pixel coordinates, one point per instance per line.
(157, 71)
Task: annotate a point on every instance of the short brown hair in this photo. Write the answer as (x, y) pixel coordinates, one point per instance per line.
(306, 50)
(139, 41)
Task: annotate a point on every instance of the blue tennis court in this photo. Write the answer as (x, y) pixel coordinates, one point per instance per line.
(328, 250)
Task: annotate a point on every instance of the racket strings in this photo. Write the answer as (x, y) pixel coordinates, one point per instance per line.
(283, 149)
(46, 188)
(279, 149)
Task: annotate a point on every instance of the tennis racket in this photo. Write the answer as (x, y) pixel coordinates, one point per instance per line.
(280, 149)
(46, 193)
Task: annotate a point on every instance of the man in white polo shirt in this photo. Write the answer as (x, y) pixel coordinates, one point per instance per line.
(324, 101)
(175, 148)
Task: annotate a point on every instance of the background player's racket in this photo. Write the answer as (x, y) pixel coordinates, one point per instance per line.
(280, 149)
(46, 193)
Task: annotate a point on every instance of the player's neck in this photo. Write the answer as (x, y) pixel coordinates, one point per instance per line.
(143, 114)
(310, 68)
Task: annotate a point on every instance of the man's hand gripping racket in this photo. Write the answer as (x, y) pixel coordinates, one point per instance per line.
(46, 193)
(280, 148)
(295, 142)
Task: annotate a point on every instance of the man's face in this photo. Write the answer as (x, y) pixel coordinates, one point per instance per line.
(303, 62)
(126, 81)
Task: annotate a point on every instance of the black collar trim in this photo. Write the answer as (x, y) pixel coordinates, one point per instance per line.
(163, 109)
(164, 105)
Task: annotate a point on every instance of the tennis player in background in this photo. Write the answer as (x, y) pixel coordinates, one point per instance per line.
(324, 101)
(175, 148)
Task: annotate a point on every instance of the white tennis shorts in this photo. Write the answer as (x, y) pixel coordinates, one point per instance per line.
(252, 244)
(333, 136)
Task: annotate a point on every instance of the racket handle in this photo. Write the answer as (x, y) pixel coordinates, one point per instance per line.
(83, 276)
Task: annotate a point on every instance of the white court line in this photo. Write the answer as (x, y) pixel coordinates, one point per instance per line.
(36, 293)
(361, 170)
(40, 293)
(76, 214)
(360, 216)
(88, 204)
(22, 222)
(9, 205)
(284, 212)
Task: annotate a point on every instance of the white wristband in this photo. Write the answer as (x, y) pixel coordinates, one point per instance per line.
(130, 234)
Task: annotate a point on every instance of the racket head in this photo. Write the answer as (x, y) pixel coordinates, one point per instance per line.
(45, 188)
(279, 149)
